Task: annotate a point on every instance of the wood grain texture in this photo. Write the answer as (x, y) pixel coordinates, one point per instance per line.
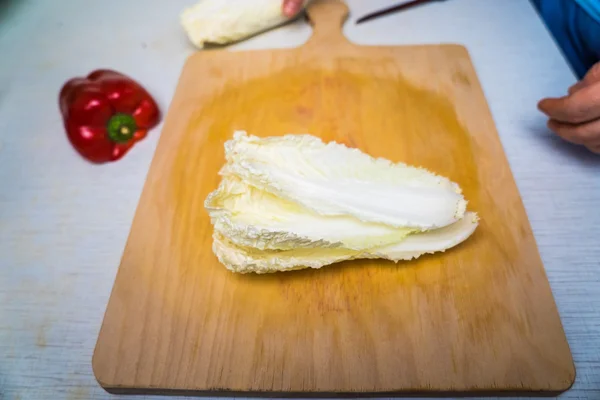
(480, 317)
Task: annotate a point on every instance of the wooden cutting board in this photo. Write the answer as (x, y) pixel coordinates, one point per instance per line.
(479, 318)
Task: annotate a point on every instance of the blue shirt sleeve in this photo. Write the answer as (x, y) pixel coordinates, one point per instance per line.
(591, 7)
(575, 25)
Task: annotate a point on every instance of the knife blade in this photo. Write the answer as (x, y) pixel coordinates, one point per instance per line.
(393, 9)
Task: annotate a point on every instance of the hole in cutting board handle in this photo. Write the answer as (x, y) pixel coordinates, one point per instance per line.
(327, 18)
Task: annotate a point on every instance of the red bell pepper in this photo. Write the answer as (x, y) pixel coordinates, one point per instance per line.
(105, 114)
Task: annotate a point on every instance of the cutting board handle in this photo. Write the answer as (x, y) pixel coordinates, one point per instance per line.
(327, 18)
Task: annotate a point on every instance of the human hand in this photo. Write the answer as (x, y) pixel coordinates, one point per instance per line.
(576, 116)
(291, 7)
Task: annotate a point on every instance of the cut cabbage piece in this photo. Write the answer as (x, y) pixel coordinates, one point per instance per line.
(251, 217)
(294, 202)
(248, 259)
(334, 180)
(227, 21)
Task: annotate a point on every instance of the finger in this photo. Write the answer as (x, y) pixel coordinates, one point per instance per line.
(582, 105)
(577, 86)
(594, 149)
(291, 7)
(586, 134)
(593, 75)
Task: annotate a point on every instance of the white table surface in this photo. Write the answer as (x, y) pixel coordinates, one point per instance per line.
(64, 222)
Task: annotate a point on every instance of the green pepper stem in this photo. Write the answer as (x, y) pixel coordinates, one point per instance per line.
(121, 128)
